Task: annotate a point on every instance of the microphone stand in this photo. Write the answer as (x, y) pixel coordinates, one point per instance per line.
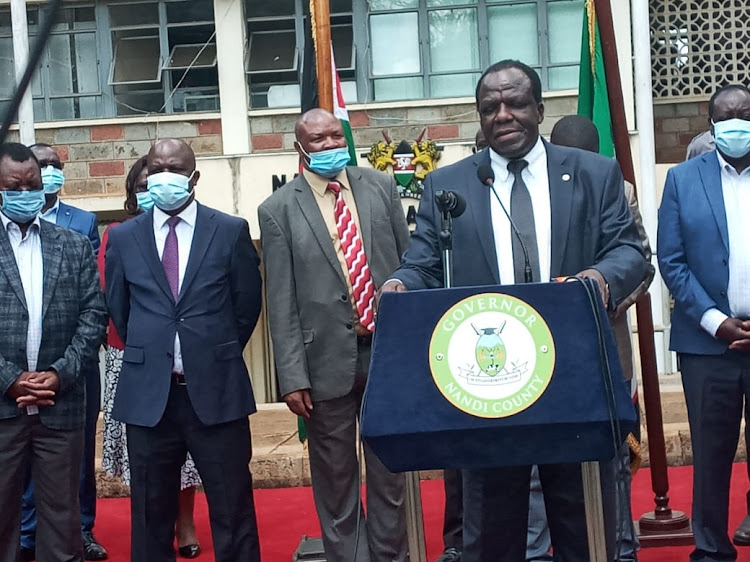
(446, 247)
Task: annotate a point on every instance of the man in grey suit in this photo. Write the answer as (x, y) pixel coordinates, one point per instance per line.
(330, 238)
(53, 320)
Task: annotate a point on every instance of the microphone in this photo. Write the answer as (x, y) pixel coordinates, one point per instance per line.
(450, 203)
(487, 177)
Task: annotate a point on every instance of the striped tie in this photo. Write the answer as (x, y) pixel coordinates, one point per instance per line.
(363, 289)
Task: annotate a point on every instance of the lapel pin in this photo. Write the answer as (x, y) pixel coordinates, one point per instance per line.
(566, 177)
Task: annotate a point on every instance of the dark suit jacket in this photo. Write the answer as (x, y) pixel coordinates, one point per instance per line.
(693, 251)
(309, 309)
(80, 221)
(591, 225)
(74, 318)
(215, 314)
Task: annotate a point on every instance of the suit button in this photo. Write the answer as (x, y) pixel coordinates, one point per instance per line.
(344, 298)
(724, 262)
(723, 294)
(182, 319)
(349, 326)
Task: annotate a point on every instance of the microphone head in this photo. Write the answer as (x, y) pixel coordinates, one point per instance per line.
(485, 174)
(450, 202)
(459, 206)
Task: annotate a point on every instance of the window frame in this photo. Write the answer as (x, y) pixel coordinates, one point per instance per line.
(482, 11)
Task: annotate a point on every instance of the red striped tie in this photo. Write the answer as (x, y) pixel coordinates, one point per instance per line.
(363, 289)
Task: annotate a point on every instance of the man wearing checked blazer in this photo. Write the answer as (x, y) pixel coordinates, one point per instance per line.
(330, 238)
(570, 209)
(85, 223)
(704, 258)
(184, 292)
(53, 320)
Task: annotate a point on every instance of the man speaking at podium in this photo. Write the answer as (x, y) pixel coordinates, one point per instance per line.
(570, 212)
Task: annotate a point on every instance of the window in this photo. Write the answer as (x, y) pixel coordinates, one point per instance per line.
(438, 48)
(163, 57)
(67, 84)
(275, 44)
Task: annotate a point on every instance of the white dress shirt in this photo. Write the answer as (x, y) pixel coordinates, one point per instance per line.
(28, 253)
(535, 176)
(184, 230)
(51, 214)
(736, 190)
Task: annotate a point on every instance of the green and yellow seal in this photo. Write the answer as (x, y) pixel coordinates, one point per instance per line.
(492, 355)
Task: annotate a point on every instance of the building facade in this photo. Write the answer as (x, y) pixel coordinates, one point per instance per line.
(224, 74)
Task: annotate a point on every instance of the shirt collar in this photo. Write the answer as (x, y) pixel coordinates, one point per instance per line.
(534, 157)
(727, 167)
(53, 209)
(319, 184)
(7, 222)
(188, 215)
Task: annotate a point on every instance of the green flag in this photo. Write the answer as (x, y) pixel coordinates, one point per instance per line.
(592, 83)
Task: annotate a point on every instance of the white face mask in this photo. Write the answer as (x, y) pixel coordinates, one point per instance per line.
(732, 137)
(168, 190)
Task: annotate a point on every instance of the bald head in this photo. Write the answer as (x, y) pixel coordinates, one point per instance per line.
(176, 156)
(576, 131)
(173, 149)
(318, 130)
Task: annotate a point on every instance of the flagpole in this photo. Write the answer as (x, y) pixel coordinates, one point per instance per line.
(321, 19)
(663, 526)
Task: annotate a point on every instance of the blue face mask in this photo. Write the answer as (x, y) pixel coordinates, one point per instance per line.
(52, 180)
(145, 201)
(732, 137)
(22, 206)
(168, 190)
(328, 163)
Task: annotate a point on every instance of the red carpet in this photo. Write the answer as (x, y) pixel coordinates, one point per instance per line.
(285, 515)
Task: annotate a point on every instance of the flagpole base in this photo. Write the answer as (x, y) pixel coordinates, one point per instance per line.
(664, 528)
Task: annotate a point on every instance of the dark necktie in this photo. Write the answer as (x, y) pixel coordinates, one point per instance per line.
(170, 257)
(522, 213)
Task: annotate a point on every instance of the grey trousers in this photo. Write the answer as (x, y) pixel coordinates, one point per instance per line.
(332, 432)
(55, 460)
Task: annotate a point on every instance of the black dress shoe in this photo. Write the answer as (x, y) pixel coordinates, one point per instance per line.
(92, 550)
(28, 554)
(450, 555)
(742, 534)
(189, 551)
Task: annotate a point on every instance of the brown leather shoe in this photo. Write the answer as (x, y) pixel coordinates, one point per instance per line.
(742, 534)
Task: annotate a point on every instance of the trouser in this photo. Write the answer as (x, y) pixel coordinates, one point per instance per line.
(222, 455)
(55, 459)
(453, 522)
(538, 543)
(496, 509)
(87, 486)
(347, 535)
(716, 386)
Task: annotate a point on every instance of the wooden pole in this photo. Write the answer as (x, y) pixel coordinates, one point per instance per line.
(663, 526)
(321, 27)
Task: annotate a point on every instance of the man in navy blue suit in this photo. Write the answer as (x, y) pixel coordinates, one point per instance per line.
(83, 222)
(184, 292)
(704, 257)
(570, 209)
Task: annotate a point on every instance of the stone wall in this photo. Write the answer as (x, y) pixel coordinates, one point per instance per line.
(675, 124)
(443, 123)
(97, 158)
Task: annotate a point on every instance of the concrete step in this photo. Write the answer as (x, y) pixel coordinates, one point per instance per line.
(280, 460)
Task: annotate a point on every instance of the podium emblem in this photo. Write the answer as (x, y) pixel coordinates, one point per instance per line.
(492, 355)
